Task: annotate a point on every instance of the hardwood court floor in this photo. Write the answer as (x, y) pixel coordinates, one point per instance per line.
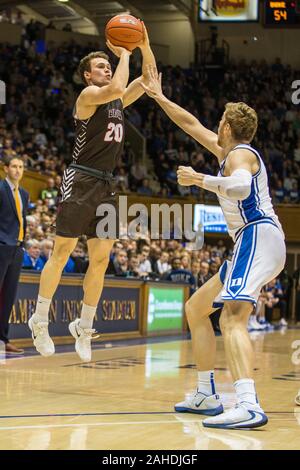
(124, 399)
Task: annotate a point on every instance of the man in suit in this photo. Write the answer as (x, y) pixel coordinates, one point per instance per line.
(13, 208)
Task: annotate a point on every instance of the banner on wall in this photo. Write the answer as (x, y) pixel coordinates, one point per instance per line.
(165, 308)
(118, 310)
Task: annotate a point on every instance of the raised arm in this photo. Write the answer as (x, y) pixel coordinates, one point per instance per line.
(134, 90)
(93, 95)
(180, 116)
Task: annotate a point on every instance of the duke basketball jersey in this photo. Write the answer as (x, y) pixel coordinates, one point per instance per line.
(256, 206)
(259, 250)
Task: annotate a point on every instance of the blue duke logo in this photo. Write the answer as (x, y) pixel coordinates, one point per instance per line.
(236, 282)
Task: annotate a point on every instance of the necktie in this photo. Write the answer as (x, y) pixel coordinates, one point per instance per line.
(19, 212)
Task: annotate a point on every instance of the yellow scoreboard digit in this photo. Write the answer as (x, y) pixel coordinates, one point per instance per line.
(281, 13)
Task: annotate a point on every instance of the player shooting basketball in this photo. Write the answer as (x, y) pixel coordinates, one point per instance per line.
(259, 256)
(87, 183)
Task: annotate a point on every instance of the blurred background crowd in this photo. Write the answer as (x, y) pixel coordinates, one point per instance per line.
(37, 124)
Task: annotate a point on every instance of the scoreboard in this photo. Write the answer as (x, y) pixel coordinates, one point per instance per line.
(282, 13)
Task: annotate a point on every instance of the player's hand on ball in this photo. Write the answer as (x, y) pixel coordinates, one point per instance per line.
(153, 86)
(145, 43)
(117, 50)
(187, 176)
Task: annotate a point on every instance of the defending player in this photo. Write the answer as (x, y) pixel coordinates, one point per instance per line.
(259, 256)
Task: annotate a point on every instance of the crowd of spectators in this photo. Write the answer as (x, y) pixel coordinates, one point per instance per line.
(37, 124)
(37, 120)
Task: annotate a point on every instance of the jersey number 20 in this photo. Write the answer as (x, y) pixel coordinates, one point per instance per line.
(114, 132)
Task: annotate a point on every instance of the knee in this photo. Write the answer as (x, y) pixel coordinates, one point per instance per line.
(99, 263)
(192, 313)
(61, 255)
(233, 314)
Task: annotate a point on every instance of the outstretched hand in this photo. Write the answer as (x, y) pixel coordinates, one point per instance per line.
(145, 42)
(153, 86)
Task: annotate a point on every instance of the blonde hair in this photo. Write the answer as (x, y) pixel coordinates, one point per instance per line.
(242, 119)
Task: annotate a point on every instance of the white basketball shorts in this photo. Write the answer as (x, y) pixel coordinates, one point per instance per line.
(258, 257)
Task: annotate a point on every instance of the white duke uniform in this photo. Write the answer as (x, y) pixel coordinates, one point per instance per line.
(259, 248)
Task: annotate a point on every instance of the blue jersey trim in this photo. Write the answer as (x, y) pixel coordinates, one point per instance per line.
(222, 272)
(244, 259)
(242, 298)
(250, 204)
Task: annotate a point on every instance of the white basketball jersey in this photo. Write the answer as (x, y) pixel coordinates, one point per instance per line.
(257, 205)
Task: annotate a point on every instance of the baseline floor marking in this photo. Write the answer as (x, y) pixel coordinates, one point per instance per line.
(120, 413)
(90, 414)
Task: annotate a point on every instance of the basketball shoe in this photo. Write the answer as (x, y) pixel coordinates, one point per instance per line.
(243, 415)
(202, 404)
(83, 339)
(40, 335)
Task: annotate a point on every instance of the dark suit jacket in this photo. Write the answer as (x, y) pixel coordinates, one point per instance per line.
(9, 222)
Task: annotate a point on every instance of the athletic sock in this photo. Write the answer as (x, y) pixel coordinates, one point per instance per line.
(245, 390)
(41, 313)
(87, 316)
(206, 382)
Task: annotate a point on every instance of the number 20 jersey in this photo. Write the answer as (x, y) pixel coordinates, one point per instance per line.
(99, 140)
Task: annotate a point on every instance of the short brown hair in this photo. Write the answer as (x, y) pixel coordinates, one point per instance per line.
(242, 119)
(85, 63)
(7, 160)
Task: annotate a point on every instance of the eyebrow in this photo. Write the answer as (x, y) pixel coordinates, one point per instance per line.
(102, 64)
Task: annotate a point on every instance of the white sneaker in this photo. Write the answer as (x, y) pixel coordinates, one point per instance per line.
(242, 416)
(283, 322)
(41, 339)
(83, 340)
(256, 325)
(202, 404)
(253, 325)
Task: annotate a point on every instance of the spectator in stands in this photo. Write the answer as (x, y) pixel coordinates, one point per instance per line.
(145, 189)
(204, 274)
(46, 249)
(177, 274)
(49, 194)
(213, 268)
(138, 173)
(186, 261)
(270, 300)
(162, 264)
(117, 247)
(145, 265)
(32, 225)
(133, 266)
(195, 270)
(119, 265)
(77, 262)
(294, 193)
(32, 258)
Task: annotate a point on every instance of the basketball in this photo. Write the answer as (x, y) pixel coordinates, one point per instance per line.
(125, 31)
